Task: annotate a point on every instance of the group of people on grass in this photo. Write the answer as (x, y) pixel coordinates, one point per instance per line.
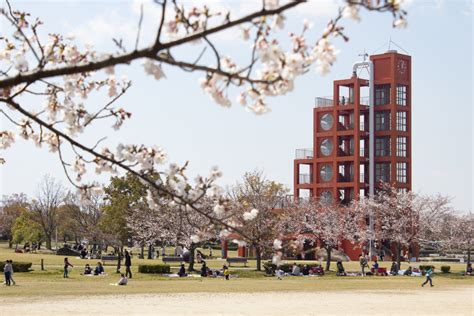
(207, 272)
(99, 269)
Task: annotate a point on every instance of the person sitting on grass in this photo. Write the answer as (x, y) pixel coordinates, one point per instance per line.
(204, 269)
(123, 280)
(83, 253)
(340, 269)
(468, 269)
(87, 269)
(295, 270)
(182, 271)
(408, 271)
(99, 269)
(394, 268)
(305, 270)
(279, 273)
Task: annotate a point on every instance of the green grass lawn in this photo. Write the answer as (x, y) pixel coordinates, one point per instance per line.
(50, 281)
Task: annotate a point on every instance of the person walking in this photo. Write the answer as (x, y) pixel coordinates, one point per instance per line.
(363, 263)
(11, 274)
(128, 264)
(66, 266)
(429, 273)
(8, 271)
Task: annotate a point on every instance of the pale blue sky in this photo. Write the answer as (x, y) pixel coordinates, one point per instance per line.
(177, 115)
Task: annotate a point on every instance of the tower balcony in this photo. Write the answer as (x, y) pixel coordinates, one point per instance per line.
(328, 101)
(304, 153)
(324, 102)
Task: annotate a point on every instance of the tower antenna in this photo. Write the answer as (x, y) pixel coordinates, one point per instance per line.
(364, 55)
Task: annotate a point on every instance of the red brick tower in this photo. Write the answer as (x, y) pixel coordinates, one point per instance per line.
(338, 167)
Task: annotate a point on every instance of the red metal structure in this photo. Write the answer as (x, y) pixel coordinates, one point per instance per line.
(337, 168)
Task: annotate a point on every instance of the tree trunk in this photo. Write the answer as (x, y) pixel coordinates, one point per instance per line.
(10, 243)
(142, 251)
(192, 250)
(259, 258)
(150, 252)
(48, 242)
(328, 259)
(119, 261)
(468, 252)
(399, 251)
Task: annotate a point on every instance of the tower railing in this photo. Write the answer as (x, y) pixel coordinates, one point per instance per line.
(323, 102)
(304, 153)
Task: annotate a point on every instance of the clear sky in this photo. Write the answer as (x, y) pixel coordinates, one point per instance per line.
(176, 114)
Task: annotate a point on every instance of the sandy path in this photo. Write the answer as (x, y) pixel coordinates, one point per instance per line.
(430, 302)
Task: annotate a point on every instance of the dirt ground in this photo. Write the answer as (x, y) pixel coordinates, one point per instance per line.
(426, 301)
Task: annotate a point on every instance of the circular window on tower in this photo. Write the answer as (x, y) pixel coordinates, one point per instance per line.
(326, 121)
(326, 173)
(326, 197)
(326, 147)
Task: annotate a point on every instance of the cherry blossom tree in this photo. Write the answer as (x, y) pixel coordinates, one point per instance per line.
(60, 74)
(255, 208)
(328, 224)
(172, 223)
(403, 217)
(455, 233)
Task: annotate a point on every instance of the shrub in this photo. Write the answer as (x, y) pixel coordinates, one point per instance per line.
(424, 267)
(154, 268)
(445, 269)
(18, 266)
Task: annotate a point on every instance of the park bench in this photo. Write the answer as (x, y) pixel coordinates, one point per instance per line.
(109, 258)
(237, 260)
(172, 259)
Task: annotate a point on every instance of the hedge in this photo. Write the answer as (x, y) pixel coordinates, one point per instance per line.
(18, 266)
(154, 268)
(445, 269)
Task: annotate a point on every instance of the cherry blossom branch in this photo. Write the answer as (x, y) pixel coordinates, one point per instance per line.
(150, 52)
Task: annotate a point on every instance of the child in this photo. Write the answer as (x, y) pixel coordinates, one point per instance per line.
(123, 280)
(8, 271)
(429, 272)
(66, 265)
(375, 266)
(87, 269)
(226, 272)
(11, 275)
